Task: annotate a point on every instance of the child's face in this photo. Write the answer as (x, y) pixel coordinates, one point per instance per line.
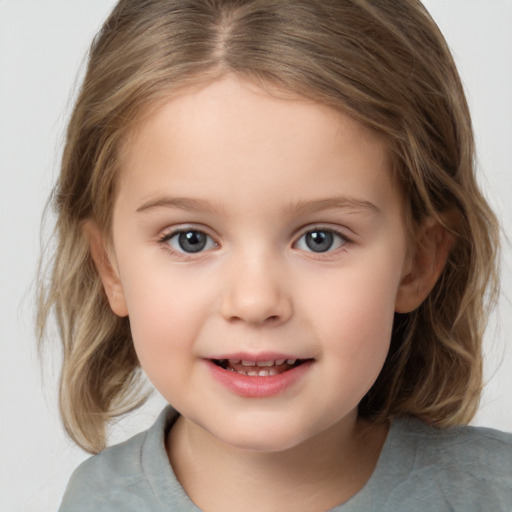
(248, 227)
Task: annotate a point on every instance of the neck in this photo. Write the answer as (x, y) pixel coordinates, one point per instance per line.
(316, 475)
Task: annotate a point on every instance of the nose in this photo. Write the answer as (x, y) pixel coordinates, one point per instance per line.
(257, 292)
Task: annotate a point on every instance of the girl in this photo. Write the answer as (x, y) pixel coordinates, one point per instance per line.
(270, 207)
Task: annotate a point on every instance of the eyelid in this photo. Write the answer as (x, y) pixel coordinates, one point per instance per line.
(185, 226)
(337, 230)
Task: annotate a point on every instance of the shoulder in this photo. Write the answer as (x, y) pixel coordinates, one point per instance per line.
(108, 478)
(460, 468)
(464, 446)
(118, 477)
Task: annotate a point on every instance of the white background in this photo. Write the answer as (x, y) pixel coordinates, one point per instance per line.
(42, 44)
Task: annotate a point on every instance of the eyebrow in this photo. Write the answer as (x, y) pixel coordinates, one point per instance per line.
(297, 207)
(180, 203)
(345, 202)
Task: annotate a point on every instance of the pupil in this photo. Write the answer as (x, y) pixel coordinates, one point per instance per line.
(319, 241)
(192, 241)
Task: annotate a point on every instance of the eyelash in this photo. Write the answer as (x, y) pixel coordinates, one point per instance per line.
(167, 237)
(340, 239)
(342, 242)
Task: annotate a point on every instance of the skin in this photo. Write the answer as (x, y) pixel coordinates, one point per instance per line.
(256, 172)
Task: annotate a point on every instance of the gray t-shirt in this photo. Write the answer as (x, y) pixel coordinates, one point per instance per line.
(462, 469)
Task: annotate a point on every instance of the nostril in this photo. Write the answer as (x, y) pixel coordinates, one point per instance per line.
(254, 306)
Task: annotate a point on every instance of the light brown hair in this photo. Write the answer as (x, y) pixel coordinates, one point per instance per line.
(386, 64)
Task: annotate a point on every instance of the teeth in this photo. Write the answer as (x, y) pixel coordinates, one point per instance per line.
(256, 368)
(257, 373)
(265, 363)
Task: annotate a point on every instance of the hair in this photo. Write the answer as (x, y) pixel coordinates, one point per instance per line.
(386, 65)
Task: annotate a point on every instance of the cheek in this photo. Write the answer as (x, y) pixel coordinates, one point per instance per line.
(355, 316)
(360, 298)
(358, 344)
(360, 337)
(165, 313)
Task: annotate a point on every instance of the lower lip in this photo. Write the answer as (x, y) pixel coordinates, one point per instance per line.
(258, 387)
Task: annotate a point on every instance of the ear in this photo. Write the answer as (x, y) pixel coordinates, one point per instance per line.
(106, 267)
(427, 261)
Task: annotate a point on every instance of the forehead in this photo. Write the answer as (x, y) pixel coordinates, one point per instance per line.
(211, 97)
(247, 135)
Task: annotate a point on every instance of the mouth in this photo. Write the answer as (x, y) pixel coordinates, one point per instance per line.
(259, 368)
(259, 376)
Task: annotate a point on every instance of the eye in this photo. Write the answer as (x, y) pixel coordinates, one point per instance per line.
(189, 241)
(320, 240)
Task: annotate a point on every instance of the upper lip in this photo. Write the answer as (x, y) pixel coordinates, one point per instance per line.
(259, 357)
